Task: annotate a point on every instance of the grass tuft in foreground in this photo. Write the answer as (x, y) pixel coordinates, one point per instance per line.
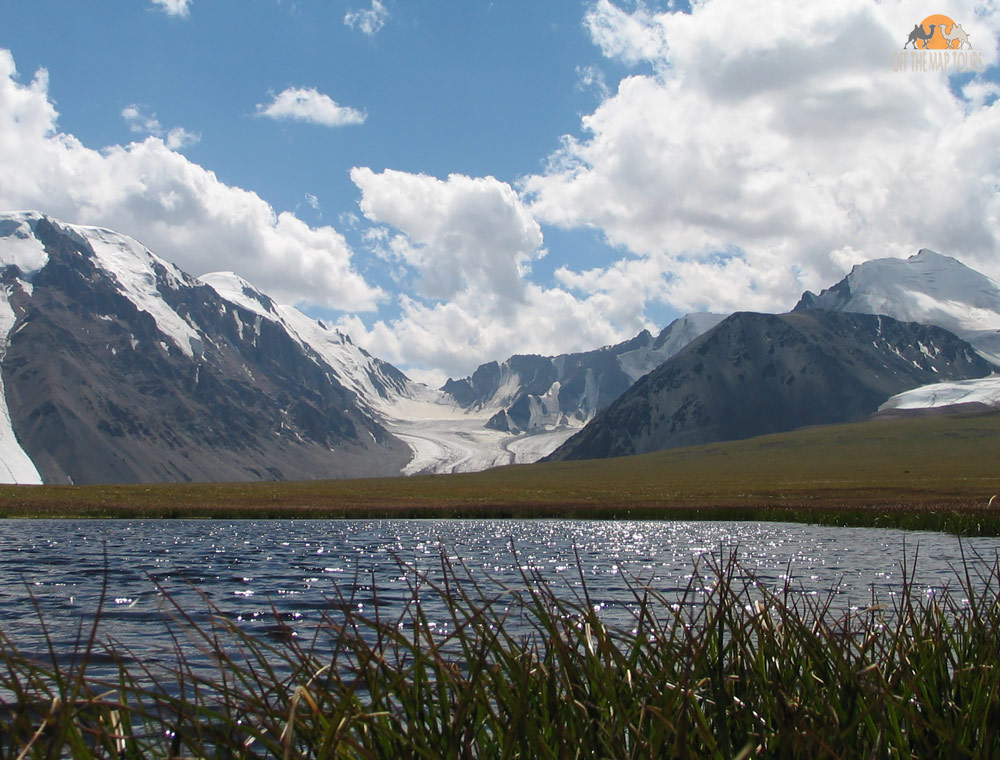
(727, 669)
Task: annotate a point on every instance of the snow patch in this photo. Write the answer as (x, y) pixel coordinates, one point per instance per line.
(15, 465)
(18, 245)
(134, 267)
(984, 391)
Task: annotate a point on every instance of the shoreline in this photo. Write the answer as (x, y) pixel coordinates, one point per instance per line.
(922, 472)
(951, 514)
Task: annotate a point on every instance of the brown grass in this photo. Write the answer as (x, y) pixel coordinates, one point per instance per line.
(915, 472)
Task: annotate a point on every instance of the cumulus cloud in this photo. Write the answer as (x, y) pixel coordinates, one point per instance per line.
(632, 37)
(463, 232)
(769, 146)
(178, 138)
(469, 243)
(370, 21)
(176, 207)
(174, 7)
(147, 124)
(311, 106)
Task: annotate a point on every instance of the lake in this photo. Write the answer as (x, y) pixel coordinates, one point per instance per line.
(299, 570)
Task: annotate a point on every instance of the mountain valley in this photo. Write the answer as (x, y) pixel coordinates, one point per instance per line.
(119, 367)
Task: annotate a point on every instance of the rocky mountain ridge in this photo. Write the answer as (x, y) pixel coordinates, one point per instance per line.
(762, 373)
(119, 367)
(531, 392)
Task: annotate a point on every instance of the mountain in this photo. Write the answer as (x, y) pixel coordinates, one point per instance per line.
(115, 366)
(119, 367)
(761, 373)
(374, 382)
(928, 288)
(533, 393)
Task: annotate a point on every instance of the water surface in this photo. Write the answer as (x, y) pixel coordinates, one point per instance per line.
(59, 570)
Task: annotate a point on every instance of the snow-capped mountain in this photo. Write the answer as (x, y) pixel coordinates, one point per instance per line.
(763, 373)
(535, 393)
(375, 383)
(928, 288)
(117, 366)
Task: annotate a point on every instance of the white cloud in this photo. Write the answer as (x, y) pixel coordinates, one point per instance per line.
(454, 337)
(311, 106)
(470, 242)
(176, 207)
(631, 37)
(463, 232)
(146, 124)
(369, 21)
(174, 7)
(771, 143)
(139, 122)
(178, 138)
(591, 77)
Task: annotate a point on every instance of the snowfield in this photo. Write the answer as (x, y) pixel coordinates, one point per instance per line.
(983, 391)
(15, 465)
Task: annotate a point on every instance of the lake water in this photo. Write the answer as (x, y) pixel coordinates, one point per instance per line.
(299, 569)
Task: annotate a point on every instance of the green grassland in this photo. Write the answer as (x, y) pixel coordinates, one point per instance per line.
(935, 471)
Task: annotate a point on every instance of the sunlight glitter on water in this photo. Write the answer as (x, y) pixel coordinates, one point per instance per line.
(302, 568)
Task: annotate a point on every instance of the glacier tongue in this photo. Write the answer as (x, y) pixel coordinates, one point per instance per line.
(447, 438)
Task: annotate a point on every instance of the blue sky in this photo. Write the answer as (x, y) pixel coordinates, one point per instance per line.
(455, 181)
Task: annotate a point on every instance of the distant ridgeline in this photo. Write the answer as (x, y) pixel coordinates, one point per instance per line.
(119, 367)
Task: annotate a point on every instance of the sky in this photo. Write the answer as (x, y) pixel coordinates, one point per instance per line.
(456, 181)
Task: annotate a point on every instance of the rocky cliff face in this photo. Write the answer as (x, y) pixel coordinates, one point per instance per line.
(118, 367)
(531, 393)
(760, 373)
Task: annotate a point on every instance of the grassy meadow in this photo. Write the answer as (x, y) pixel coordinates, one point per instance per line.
(936, 472)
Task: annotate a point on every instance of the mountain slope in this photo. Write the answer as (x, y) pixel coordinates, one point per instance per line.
(760, 373)
(928, 288)
(533, 393)
(119, 367)
(373, 381)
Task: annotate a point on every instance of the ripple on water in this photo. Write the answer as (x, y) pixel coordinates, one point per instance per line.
(307, 569)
